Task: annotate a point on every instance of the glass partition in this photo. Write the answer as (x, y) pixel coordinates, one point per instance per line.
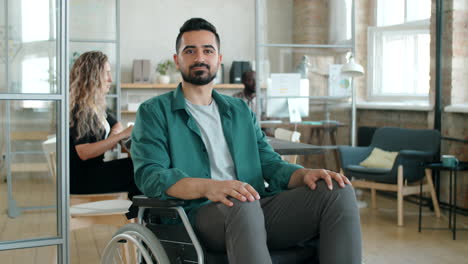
(3, 47)
(30, 171)
(301, 47)
(97, 30)
(92, 20)
(33, 107)
(29, 47)
(30, 255)
(311, 22)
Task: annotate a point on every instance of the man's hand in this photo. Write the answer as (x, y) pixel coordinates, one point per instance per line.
(310, 177)
(219, 191)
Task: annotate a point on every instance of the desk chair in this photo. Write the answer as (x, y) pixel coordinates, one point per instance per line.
(414, 147)
(289, 135)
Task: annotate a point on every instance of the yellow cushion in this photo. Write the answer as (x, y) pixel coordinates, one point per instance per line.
(380, 159)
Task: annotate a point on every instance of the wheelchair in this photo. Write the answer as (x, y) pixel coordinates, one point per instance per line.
(154, 241)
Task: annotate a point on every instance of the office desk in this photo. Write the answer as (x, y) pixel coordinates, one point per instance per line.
(284, 147)
(318, 130)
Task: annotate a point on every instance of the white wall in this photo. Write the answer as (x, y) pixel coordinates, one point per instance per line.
(148, 29)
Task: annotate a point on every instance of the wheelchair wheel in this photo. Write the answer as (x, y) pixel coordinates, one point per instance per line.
(134, 244)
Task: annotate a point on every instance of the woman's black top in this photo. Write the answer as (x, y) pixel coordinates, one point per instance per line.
(86, 176)
(96, 176)
(76, 164)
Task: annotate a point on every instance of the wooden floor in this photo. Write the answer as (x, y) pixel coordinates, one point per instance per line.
(383, 241)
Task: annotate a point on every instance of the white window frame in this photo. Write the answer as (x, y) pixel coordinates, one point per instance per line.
(374, 56)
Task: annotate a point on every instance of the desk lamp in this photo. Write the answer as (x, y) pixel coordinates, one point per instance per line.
(352, 69)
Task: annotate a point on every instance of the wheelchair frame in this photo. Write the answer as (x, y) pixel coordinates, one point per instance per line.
(144, 203)
(174, 209)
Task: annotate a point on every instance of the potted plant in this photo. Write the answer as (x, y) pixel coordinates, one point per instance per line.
(164, 68)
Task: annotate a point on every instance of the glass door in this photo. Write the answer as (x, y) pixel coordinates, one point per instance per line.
(33, 113)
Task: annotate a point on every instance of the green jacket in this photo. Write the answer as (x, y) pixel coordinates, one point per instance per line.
(167, 147)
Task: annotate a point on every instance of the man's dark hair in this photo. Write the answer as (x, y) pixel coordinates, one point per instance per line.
(196, 24)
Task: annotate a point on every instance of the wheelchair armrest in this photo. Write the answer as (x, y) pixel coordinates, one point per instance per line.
(143, 201)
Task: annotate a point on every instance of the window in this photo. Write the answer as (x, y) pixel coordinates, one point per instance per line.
(36, 21)
(38, 61)
(399, 50)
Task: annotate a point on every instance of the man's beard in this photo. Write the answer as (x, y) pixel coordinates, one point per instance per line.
(197, 77)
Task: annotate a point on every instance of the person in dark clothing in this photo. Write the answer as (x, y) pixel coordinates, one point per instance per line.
(93, 131)
(248, 94)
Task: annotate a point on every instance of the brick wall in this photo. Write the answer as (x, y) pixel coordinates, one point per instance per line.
(455, 78)
(311, 21)
(311, 27)
(458, 17)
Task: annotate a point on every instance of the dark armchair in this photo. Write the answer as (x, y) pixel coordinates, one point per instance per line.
(414, 146)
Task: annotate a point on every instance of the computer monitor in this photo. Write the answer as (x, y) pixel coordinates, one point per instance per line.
(287, 85)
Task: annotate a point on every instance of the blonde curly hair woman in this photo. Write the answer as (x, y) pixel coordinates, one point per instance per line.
(93, 130)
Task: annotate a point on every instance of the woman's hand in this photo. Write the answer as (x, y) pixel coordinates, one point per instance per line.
(121, 134)
(91, 150)
(126, 133)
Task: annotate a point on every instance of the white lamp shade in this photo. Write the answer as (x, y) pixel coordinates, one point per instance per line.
(352, 69)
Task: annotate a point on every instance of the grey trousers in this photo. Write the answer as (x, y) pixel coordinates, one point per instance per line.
(246, 230)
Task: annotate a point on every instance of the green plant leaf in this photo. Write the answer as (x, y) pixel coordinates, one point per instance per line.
(165, 67)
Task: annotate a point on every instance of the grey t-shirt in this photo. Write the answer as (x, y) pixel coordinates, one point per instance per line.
(209, 123)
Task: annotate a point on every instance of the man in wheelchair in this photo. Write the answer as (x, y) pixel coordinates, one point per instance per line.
(206, 148)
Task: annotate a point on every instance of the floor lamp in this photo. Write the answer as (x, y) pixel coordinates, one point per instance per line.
(352, 69)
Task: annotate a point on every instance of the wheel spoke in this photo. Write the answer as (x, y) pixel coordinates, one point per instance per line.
(120, 255)
(115, 257)
(134, 244)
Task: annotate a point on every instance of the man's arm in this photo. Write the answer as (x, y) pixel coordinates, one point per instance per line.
(149, 152)
(276, 171)
(216, 191)
(154, 176)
